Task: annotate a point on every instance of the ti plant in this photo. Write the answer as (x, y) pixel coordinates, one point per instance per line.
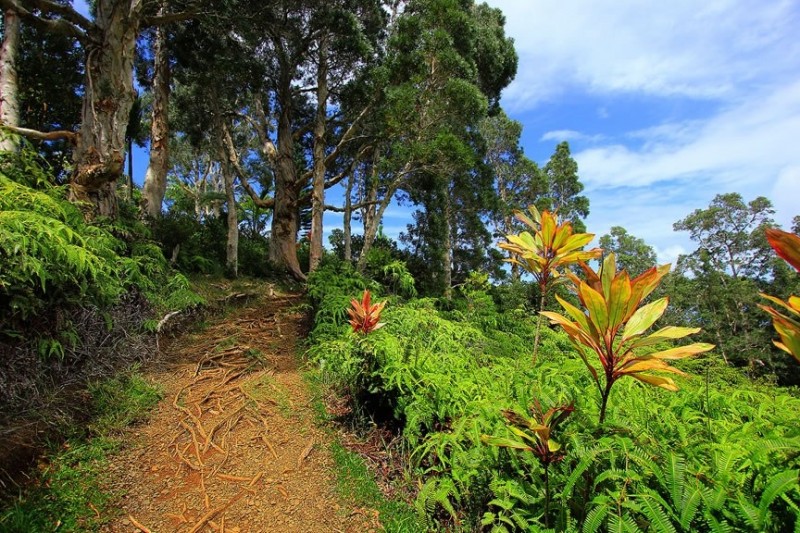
(613, 326)
(787, 324)
(364, 315)
(544, 250)
(532, 434)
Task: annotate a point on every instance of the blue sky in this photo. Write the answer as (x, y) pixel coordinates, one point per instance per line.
(664, 104)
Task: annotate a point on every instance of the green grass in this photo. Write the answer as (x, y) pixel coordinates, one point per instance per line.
(354, 481)
(68, 493)
(356, 484)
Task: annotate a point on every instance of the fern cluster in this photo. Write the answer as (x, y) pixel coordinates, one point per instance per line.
(721, 455)
(53, 259)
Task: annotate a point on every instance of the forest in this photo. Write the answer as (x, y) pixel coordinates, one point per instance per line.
(482, 350)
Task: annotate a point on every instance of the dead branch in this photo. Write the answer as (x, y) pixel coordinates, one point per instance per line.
(37, 135)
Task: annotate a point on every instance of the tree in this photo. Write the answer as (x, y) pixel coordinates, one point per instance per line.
(519, 182)
(726, 273)
(732, 233)
(9, 88)
(632, 253)
(565, 187)
(437, 98)
(155, 178)
(109, 42)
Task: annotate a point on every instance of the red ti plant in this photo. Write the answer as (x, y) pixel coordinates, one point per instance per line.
(546, 249)
(613, 327)
(365, 316)
(787, 324)
(532, 434)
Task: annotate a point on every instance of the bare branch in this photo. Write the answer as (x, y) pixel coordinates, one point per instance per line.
(36, 135)
(59, 25)
(161, 20)
(347, 136)
(343, 174)
(266, 203)
(66, 12)
(233, 157)
(352, 207)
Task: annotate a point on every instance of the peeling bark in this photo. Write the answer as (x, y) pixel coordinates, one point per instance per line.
(347, 220)
(155, 179)
(108, 97)
(232, 247)
(9, 90)
(447, 253)
(318, 181)
(286, 214)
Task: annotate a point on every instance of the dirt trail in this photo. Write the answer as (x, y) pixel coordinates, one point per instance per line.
(233, 447)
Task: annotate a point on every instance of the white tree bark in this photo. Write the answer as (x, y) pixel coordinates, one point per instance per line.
(318, 180)
(9, 91)
(155, 179)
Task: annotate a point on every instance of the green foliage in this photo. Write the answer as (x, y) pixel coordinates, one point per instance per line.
(721, 454)
(53, 259)
(69, 487)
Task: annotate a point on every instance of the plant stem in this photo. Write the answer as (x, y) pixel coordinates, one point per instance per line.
(547, 495)
(538, 326)
(604, 400)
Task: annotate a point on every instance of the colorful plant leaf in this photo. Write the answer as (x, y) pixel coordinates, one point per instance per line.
(364, 316)
(787, 246)
(612, 302)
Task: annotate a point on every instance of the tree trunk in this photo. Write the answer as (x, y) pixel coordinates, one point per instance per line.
(372, 220)
(347, 220)
(9, 91)
(232, 247)
(318, 194)
(108, 97)
(155, 179)
(447, 253)
(286, 214)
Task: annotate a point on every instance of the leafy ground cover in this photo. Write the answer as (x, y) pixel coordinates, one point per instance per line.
(720, 454)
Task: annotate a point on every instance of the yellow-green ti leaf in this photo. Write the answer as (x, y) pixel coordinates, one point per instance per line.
(664, 334)
(681, 352)
(643, 318)
(657, 381)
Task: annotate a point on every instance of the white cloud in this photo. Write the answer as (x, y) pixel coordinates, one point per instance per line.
(707, 50)
(569, 135)
(745, 146)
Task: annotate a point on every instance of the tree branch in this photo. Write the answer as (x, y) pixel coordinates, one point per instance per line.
(61, 25)
(66, 12)
(36, 135)
(352, 207)
(161, 20)
(233, 157)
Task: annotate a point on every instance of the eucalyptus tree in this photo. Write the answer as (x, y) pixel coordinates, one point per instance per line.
(108, 39)
(726, 272)
(9, 87)
(49, 83)
(155, 178)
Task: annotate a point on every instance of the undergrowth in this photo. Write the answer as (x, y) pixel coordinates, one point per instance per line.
(722, 454)
(67, 493)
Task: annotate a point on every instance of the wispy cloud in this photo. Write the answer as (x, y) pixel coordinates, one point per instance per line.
(701, 50)
(747, 145)
(734, 63)
(569, 135)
